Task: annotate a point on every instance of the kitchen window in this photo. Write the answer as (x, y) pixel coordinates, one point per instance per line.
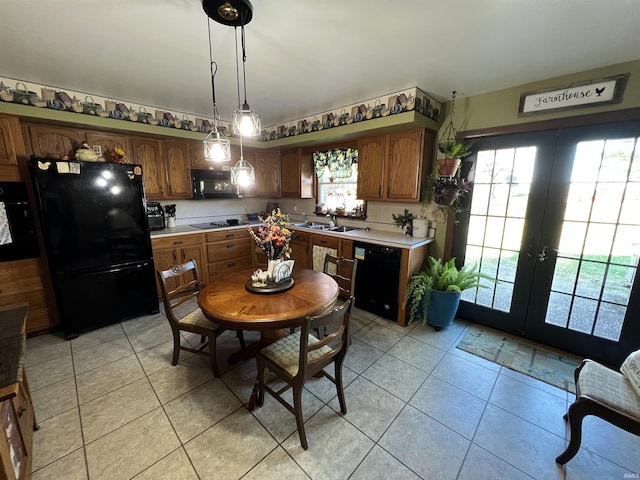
(337, 172)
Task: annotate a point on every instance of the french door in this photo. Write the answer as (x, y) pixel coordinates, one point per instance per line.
(555, 216)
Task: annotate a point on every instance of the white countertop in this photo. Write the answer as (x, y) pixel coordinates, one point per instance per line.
(378, 237)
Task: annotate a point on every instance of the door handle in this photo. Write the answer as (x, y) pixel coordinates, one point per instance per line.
(542, 256)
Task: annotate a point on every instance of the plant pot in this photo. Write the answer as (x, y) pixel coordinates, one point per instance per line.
(448, 166)
(442, 308)
(445, 196)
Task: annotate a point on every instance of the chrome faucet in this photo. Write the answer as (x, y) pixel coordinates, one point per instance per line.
(333, 222)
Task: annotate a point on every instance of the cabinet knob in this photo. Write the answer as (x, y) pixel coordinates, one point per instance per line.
(177, 243)
(230, 245)
(21, 410)
(230, 235)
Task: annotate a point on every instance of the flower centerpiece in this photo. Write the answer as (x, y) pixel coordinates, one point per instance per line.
(273, 238)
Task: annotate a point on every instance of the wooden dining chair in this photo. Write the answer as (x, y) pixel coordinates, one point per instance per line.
(605, 393)
(195, 322)
(343, 271)
(297, 357)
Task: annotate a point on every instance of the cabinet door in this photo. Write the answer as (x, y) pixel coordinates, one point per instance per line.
(195, 252)
(290, 168)
(108, 142)
(404, 164)
(300, 253)
(164, 260)
(147, 153)
(196, 154)
(52, 142)
(8, 160)
(177, 163)
(267, 167)
(371, 156)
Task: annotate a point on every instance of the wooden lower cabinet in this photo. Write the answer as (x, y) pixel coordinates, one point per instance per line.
(300, 249)
(228, 251)
(176, 250)
(21, 282)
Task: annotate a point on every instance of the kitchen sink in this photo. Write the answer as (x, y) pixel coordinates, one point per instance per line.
(313, 225)
(342, 228)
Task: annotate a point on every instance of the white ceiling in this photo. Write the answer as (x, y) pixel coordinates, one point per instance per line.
(308, 56)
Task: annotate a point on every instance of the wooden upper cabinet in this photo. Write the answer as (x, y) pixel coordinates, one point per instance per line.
(8, 159)
(176, 154)
(108, 142)
(147, 152)
(371, 160)
(52, 142)
(296, 174)
(404, 165)
(196, 153)
(266, 164)
(391, 166)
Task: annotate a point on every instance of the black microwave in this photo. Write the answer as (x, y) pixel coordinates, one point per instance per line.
(18, 238)
(212, 184)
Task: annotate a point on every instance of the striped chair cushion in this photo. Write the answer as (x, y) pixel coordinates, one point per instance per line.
(609, 387)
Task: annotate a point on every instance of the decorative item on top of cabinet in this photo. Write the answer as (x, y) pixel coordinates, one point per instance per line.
(108, 142)
(176, 250)
(296, 174)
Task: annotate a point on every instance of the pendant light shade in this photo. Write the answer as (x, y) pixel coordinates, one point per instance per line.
(217, 147)
(246, 122)
(242, 173)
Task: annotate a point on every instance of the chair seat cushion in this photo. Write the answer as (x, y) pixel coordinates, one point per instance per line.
(286, 352)
(630, 368)
(197, 319)
(609, 387)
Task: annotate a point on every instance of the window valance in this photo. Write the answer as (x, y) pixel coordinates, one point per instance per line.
(337, 160)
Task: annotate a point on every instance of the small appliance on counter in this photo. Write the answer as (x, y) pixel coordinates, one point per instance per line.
(155, 214)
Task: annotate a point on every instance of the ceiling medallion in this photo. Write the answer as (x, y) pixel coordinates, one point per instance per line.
(233, 13)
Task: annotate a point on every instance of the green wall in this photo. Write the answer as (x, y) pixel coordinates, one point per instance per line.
(500, 108)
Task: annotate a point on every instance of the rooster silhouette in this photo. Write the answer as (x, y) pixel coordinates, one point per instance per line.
(599, 91)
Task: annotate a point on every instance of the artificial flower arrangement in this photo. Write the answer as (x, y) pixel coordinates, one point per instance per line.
(273, 236)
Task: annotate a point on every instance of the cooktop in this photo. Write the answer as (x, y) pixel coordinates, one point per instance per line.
(222, 224)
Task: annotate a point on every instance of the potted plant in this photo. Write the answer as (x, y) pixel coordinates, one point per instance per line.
(404, 220)
(434, 292)
(453, 151)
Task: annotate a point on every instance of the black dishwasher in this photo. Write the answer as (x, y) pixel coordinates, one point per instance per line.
(377, 279)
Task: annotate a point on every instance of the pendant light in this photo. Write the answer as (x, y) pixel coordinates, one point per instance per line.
(238, 13)
(216, 146)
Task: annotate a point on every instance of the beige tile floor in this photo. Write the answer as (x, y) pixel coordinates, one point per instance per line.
(110, 406)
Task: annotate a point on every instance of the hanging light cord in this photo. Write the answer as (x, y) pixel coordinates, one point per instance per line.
(449, 133)
(244, 61)
(214, 69)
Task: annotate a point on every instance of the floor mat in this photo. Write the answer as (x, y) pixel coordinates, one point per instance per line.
(533, 359)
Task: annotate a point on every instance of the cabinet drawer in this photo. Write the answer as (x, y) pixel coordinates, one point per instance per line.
(224, 267)
(173, 242)
(324, 241)
(227, 235)
(227, 250)
(300, 236)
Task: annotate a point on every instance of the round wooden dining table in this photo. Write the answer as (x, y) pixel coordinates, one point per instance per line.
(227, 302)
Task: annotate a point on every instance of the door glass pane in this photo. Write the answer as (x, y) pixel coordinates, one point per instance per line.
(600, 241)
(497, 213)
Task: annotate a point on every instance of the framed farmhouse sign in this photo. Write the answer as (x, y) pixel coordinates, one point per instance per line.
(577, 95)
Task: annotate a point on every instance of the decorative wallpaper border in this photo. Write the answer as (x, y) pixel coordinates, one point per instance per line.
(43, 96)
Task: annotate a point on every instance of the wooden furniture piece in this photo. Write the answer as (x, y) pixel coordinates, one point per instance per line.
(605, 393)
(297, 175)
(343, 271)
(391, 166)
(300, 249)
(175, 250)
(17, 418)
(228, 251)
(297, 357)
(194, 322)
(227, 302)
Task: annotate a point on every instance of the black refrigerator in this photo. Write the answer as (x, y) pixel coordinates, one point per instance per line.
(96, 233)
